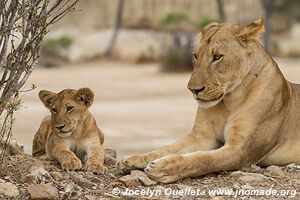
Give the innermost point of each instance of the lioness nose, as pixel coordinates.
(197, 91)
(60, 127)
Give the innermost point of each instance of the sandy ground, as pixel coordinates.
(137, 107)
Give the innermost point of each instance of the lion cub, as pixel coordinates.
(70, 134)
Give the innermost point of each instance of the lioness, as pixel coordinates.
(70, 135)
(248, 112)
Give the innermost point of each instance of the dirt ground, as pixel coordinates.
(137, 107)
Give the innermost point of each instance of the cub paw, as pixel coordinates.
(130, 163)
(71, 164)
(95, 167)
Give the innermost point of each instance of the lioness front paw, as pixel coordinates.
(95, 167)
(167, 169)
(71, 164)
(130, 163)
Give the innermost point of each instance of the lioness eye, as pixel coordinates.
(217, 57)
(70, 108)
(54, 110)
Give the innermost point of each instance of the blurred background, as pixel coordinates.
(136, 56)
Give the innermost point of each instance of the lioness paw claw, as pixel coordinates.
(166, 169)
(130, 163)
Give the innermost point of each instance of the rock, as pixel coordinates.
(144, 179)
(71, 192)
(56, 175)
(217, 198)
(111, 153)
(80, 180)
(247, 187)
(130, 180)
(253, 178)
(36, 174)
(42, 191)
(255, 168)
(274, 171)
(109, 160)
(9, 189)
(91, 197)
(293, 167)
(237, 173)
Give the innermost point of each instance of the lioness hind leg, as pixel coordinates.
(285, 154)
(191, 143)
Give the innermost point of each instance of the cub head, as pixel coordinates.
(222, 59)
(68, 108)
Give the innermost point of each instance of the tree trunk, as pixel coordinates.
(267, 7)
(220, 4)
(117, 26)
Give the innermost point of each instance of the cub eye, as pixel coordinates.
(195, 56)
(54, 110)
(217, 57)
(70, 108)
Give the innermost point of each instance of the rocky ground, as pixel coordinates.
(23, 177)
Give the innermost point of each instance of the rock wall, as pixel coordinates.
(100, 14)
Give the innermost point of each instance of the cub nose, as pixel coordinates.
(60, 127)
(197, 91)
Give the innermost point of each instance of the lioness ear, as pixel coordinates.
(85, 96)
(253, 30)
(47, 97)
(208, 27)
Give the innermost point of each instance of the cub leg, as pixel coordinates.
(67, 159)
(95, 156)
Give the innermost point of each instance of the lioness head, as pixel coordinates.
(221, 60)
(68, 108)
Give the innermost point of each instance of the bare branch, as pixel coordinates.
(23, 25)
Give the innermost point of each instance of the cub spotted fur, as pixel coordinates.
(70, 134)
(248, 112)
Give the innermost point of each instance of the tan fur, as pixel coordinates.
(70, 135)
(248, 112)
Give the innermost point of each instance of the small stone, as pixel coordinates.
(237, 173)
(130, 180)
(255, 168)
(247, 187)
(293, 166)
(109, 160)
(253, 177)
(274, 171)
(56, 175)
(144, 179)
(80, 180)
(36, 174)
(111, 153)
(42, 191)
(217, 198)
(91, 197)
(9, 189)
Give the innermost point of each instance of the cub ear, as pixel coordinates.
(85, 96)
(47, 97)
(253, 30)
